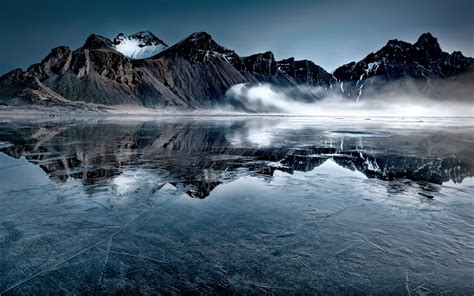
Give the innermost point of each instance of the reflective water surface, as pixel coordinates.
(218, 205)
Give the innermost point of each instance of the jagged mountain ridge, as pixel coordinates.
(196, 72)
(400, 63)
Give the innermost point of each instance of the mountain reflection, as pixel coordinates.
(196, 156)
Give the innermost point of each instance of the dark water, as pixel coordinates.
(242, 205)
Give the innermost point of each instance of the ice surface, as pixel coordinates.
(237, 205)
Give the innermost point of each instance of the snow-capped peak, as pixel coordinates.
(140, 45)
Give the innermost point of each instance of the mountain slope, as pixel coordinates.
(197, 70)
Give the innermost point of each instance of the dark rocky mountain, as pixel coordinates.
(196, 73)
(265, 68)
(262, 64)
(401, 65)
(306, 72)
(97, 42)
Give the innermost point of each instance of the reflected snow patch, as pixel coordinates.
(168, 186)
(132, 182)
(125, 183)
(329, 168)
(5, 145)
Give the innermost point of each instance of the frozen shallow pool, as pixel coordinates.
(237, 205)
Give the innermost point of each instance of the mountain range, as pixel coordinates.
(141, 70)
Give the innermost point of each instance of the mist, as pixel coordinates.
(296, 100)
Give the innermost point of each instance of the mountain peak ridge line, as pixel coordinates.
(142, 70)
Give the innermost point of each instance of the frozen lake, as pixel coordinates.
(283, 205)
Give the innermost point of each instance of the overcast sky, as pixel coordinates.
(330, 33)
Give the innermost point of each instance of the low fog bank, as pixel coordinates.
(315, 101)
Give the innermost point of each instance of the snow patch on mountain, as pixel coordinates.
(140, 45)
(372, 67)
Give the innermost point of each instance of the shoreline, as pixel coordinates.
(151, 113)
